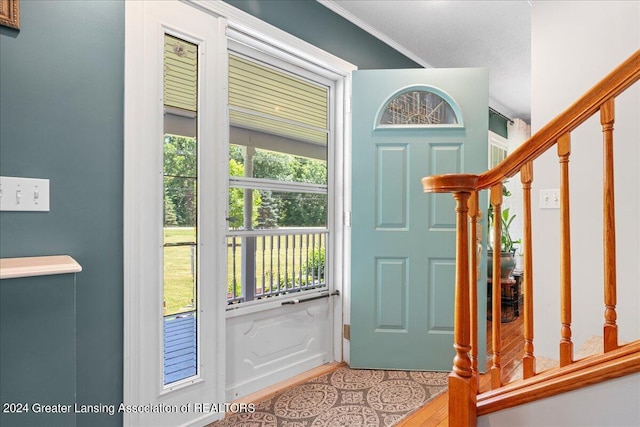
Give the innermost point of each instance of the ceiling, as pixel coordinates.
(446, 34)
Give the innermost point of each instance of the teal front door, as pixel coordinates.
(408, 124)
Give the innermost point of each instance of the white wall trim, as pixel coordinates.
(134, 14)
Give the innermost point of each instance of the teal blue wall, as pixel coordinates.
(38, 349)
(497, 124)
(61, 118)
(314, 23)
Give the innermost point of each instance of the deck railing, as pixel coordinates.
(272, 262)
(463, 381)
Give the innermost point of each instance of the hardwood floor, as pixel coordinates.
(512, 348)
(436, 412)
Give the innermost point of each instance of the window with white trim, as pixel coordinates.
(497, 149)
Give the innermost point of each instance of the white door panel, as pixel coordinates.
(269, 346)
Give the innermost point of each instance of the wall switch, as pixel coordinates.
(550, 199)
(24, 194)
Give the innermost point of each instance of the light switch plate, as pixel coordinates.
(550, 199)
(24, 194)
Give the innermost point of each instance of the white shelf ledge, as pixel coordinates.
(11, 268)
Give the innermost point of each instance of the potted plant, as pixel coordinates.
(507, 244)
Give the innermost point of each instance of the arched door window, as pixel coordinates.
(418, 107)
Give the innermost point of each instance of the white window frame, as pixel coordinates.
(499, 142)
(255, 53)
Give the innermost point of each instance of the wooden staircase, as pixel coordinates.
(466, 402)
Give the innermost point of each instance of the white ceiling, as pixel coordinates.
(446, 34)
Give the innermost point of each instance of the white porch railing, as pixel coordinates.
(270, 262)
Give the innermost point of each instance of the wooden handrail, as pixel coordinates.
(464, 405)
(616, 82)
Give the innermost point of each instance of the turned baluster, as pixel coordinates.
(607, 116)
(475, 241)
(496, 306)
(528, 360)
(566, 345)
(462, 389)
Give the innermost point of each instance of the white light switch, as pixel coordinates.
(550, 199)
(24, 194)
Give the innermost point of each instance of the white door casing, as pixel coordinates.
(151, 402)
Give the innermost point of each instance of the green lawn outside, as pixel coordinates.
(178, 281)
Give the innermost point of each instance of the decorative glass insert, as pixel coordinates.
(418, 107)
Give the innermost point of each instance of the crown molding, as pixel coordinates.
(329, 4)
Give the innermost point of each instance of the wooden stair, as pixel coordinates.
(625, 360)
(588, 371)
(467, 398)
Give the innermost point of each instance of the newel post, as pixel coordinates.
(462, 385)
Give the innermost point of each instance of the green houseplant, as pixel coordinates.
(507, 243)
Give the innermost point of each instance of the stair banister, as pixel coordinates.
(496, 336)
(566, 345)
(616, 82)
(528, 360)
(474, 267)
(607, 117)
(463, 384)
